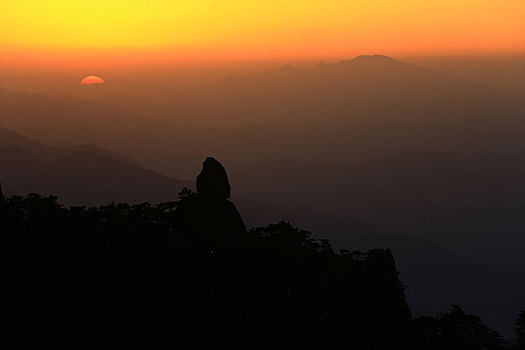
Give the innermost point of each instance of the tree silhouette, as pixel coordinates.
(357, 255)
(456, 330)
(520, 330)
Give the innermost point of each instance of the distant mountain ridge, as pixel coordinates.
(366, 62)
(46, 152)
(84, 174)
(367, 88)
(84, 177)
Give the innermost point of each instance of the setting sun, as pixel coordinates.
(92, 79)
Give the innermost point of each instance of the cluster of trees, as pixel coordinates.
(276, 287)
(455, 330)
(520, 330)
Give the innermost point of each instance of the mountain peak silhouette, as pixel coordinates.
(286, 67)
(369, 60)
(374, 57)
(321, 64)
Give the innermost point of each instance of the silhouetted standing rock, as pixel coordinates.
(4, 209)
(213, 181)
(3, 202)
(209, 216)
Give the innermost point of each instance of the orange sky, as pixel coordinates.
(118, 32)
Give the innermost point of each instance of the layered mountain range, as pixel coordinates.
(368, 152)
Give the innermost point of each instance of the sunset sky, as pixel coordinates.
(120, 32)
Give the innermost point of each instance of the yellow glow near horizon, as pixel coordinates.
(258, 28)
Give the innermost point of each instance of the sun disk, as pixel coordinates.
(92, 79)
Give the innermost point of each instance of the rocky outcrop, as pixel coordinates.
(208, 215)
(3, 207)
(213, 182)
(2, 198)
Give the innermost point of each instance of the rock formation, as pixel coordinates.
(209, 216)
(3, 206)
(2, 199)
(213, 182)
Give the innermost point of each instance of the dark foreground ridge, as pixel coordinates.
(192, 271)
